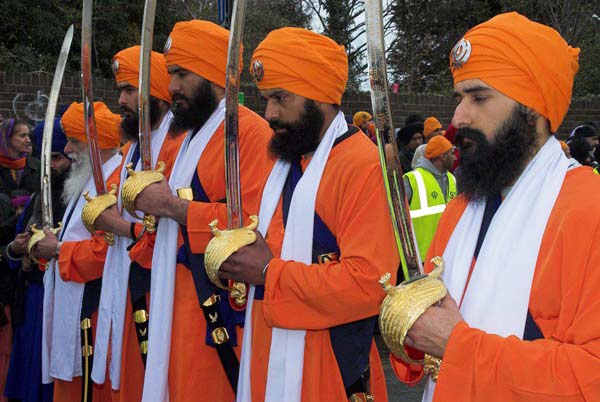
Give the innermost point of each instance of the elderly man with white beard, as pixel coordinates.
(76, 257)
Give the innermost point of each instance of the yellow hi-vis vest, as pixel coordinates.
(427, 205)
(596, 170)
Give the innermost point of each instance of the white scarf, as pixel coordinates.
(164, 261)
(497, 297)
(113, 296)
(286, 357)
(61, 344)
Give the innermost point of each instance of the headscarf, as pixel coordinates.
(6, 131)
(200, 47)
(302, 62)
(437, 146)
(107, 124)
(126, 68)
(526, 61)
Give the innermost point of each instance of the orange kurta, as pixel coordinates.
(195, 368)
(351, 202)
(132, 367)
(83, 261)
(564, 303)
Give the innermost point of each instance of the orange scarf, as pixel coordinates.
(15, 164)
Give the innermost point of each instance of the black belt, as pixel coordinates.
(91, 300)
(139, 285)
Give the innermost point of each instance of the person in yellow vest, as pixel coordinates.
(429, 187)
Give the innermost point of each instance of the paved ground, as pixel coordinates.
(397, 391)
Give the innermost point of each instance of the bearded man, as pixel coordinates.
(73, 279)
(184, 360)
(123, 310)
(311, 315)
(522, 241)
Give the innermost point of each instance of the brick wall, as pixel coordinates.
(23, 94)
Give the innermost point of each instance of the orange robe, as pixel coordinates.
(83, 261)
(564, 303)
(132, 367)
(195, 368)
(351, 202)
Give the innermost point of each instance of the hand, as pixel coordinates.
(156, 199)
(46, 248)
(26, 264)
(431, 331)
(247, 264)
(111, 221)
(19, 244)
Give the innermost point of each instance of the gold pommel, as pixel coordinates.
(96, 205)
(38, 234)
(223, 244)
(137, 182)
(405, 303)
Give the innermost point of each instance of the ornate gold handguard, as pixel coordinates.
(135, 184)
(403, 305)
(94, 208)
(220, 247)
(38, 234)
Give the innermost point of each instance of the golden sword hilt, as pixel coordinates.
(135, 184)
(220, 247)
(403, 305)
(94, 208)
(37, 235)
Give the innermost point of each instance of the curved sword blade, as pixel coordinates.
(232, 163)
(145, 129)
(392, 172)
(88, 99)
(46, 185)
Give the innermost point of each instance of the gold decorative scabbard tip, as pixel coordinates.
(96, 205)
(38, 234)
(137, 182)
(221, 246)
(404, 304)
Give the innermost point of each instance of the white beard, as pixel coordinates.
(79, 174)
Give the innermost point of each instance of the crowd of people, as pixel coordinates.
(120, 309)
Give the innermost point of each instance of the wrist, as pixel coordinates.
(57, 250)
(11, 255)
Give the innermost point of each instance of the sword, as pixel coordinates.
(407, 301)
(103, 200)
(392, 172)
(145, 131)
(46, 183)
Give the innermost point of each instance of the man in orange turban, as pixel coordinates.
(185, 359)
(311, 315)
(122, 321)
(361, 120)
(72, 281)
(521, 320)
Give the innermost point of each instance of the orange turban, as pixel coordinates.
(360, 118)
(200, 47)
(437, 146)
(126, 67)
(526, 61)
(431, 124)
(107, 124)
(302, 62)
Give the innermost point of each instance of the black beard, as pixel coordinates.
(130, 123)
(200, 107)
(489, 167)
(300, 137)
